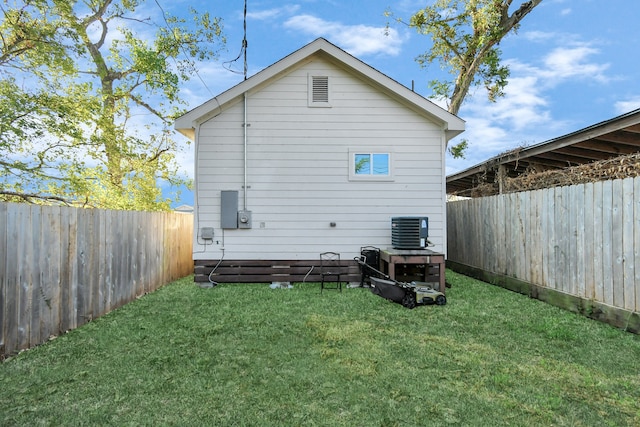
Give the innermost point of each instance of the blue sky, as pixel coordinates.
(573, 63)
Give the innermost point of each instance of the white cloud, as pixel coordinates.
(264, 15)
(537, 36)
(622, 107)
(571, 62)
(520, 107)
(562, 64)
(358, 40)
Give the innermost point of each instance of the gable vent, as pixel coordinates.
(320, 89)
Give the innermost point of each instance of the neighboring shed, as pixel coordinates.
(596, 145)
(315, 153)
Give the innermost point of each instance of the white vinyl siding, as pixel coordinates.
(298, 172)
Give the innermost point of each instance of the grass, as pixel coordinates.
(248, 355)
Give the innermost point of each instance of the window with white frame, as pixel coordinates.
(368, 165)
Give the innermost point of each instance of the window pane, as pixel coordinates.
(381, 164)
(362, 164)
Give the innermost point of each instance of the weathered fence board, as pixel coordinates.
(636, 241)
(628, 241)
(581, 240)
(60, 267)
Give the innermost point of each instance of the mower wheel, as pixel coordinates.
(441, 300)
(409, 300)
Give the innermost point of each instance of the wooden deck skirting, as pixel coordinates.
(268, 271)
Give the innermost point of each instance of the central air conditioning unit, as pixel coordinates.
(409, 232)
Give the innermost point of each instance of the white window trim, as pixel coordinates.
(363, 177)
(310, 100)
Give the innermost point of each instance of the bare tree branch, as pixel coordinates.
(29, 197)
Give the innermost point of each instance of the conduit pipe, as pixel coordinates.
(245, 126)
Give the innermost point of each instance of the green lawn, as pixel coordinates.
(249, 355)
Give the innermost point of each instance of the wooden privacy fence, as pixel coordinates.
(575, 246)
(61, 267)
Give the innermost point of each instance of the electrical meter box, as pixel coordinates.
(244, 219)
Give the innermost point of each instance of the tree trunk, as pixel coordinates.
(507, 23)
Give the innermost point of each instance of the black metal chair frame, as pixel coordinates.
(330, 267)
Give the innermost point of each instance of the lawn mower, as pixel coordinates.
(407, 294)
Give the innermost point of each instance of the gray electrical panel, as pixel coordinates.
(229, 209)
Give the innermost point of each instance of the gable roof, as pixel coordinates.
(451, 123)
(605, 140)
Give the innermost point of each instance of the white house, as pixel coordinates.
(315, 153)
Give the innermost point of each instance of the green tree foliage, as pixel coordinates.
(88, 92)
(465, 37)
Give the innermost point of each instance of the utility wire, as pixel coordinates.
(227, 65)
(243, 50)
(244, 39)
(164, 17)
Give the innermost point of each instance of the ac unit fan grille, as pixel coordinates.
(409, 232)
